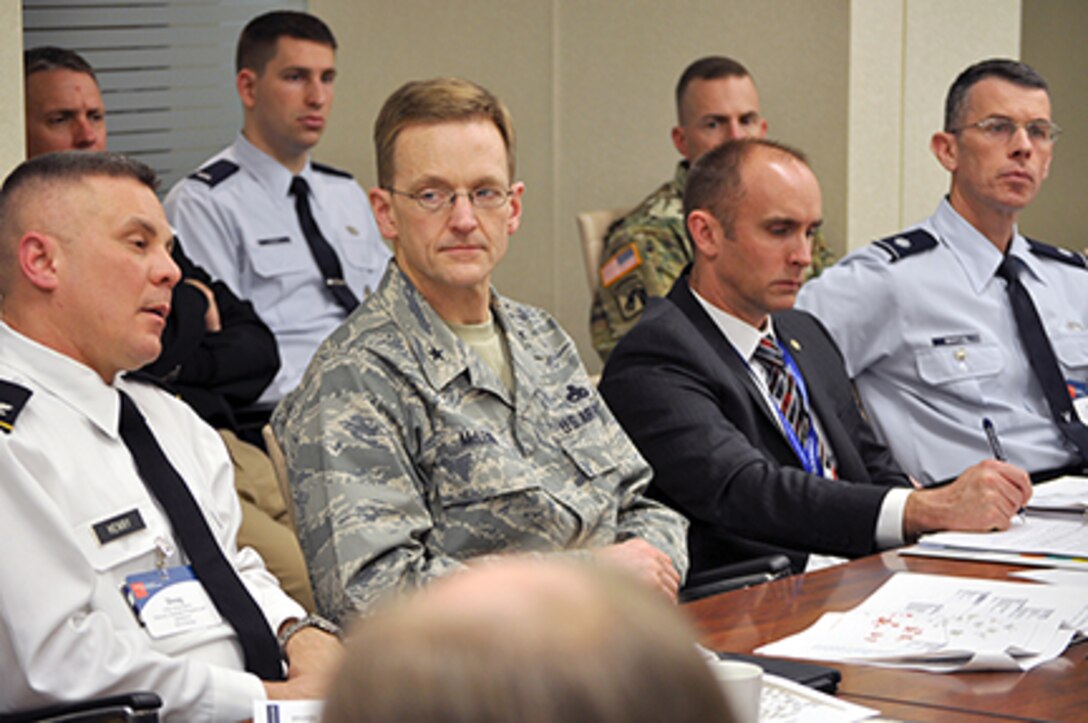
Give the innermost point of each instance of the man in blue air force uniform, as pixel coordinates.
(962, 318)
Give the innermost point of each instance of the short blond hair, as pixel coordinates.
(534, 641)
(438, 100)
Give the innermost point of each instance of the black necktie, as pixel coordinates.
(1041, 356)
(219, 579)
(324, 254)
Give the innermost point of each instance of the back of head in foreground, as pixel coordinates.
(526, 640)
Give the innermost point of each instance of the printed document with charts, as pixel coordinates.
(944, 624)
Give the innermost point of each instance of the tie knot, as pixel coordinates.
(1010, 268)
(769, 352)
(129, 412)
(299, 187)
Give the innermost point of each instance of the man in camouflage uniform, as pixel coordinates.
(442, 422)
(645, 251)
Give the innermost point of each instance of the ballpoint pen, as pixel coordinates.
(998, 452)
(995, 443)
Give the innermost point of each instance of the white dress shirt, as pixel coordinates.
(68, 632)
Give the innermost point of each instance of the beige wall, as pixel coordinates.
(11, 85)
(903, 56)
(590, 85)
(1054, 43)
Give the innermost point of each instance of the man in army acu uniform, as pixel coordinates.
(442, 422)
(645, 251)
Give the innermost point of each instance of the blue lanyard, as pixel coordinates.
(809, 452)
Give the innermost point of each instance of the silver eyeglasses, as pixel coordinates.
(486, 198)
(1002, 128)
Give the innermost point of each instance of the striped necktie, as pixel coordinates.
(786, 394)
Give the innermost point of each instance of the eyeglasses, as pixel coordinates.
(433, 200)
(1003, 129)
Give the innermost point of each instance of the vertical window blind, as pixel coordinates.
(166, 70)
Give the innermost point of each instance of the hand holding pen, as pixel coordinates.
(998, 451)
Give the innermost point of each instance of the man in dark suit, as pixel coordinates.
(742, 405)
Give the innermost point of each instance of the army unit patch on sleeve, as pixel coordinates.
(622, 263)
(13, 398)
(631, 296)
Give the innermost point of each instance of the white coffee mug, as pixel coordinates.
(742, 684)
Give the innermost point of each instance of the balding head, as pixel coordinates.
(527, 640)
(751, 208)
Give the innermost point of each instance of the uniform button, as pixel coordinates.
(960, 354)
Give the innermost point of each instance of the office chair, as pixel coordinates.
(139, 707)
(592, 226)
(734, 577)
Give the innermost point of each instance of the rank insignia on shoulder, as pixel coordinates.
(1056, 253)
(13, 397)
(622, 263)
(907, 244)
(322, 168)
(215, 173)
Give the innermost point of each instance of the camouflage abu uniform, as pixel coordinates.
(644, 253)
(408, 456)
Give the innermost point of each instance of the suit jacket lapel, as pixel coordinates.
(682, 297)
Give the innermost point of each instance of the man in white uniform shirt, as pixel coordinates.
(86, 279)
(294, 237)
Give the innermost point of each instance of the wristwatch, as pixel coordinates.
(310, 621)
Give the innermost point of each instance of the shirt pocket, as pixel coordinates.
(277, 256)
(591, 458)
(362, 254)
(1072, 352)
(486, 511)
(121, 553)
(960, 369)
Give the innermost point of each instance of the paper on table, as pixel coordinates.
(1009, 558)
(1068, 493)
(943, 624)
(1063, 577)
(1034, 534)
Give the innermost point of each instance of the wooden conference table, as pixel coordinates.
(742, 620)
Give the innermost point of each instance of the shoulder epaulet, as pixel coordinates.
(322, 168)
(13, 398)
(1066, 256)
(215, 173)
(906, 244)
